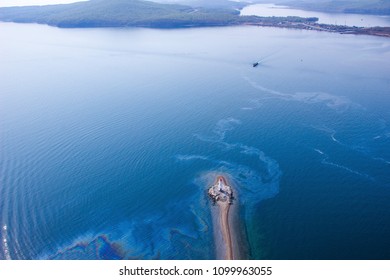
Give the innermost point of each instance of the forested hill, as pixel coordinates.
(138, 13)
(115, 13)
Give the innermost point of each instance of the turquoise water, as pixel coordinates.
(109, 137)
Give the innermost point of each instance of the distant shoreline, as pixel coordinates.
(341, 29)
(306, 25)
(136, 13)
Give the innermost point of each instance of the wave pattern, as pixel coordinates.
(162, 235)
(149, 237)
(4, 243)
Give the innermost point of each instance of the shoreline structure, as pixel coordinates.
(225, 235)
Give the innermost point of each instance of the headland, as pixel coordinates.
(224, 214)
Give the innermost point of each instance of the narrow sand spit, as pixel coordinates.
(224, 220)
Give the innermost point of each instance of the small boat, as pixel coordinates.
(255, 64)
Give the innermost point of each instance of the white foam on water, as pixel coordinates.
(256, 184)
(219, 131)
(325, 160)
(224, 126)
(382, 160)
(348, 170)
(331, 132)
(253, 104)
(340, 103)
(357, 148)
(190, 157)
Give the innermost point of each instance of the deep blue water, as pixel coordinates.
(109, 138)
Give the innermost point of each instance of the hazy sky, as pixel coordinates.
(8, 3)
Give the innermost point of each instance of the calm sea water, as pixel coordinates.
(327, 18)
(109, 137)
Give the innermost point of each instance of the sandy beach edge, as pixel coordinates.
(229, 236)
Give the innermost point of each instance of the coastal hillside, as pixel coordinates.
(207, 3)
(113, 13)
(136, 13)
